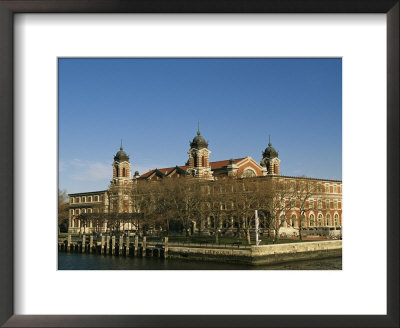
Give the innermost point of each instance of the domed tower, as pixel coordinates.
(270, 161)
(199, 158)
(119, 192)
(121, 168)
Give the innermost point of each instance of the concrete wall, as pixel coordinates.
(257, 255)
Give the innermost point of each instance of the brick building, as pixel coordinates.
(324, 205)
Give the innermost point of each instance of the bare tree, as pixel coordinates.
(62, 210)
(245, 200)
(279, 203)
(302, 193)
(216, 204)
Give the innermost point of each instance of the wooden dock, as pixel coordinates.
(113, 245)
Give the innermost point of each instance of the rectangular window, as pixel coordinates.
(311, 203)
(76, 199)
(335, 204)
(319, 203)
(319, 187)
(89, 198)
(327, 187)
(89, 210)
(71, 200)
(96, 198)
(126, 206)
(335, 189)
(83, 199)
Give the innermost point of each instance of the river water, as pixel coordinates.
(78, 261)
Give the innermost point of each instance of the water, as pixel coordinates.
(78, 261)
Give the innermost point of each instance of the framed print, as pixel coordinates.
(56, 50)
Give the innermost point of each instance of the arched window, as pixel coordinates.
(123, 172)
(328, 220)
(335, 189)
(312, 220)
(203, 161)
(320, 220)
(336, 219)
(294, 221)
(248, 173)
(117, 171)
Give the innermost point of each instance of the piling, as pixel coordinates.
(108, 245)
(165, 247)
(83, 243)
(144, 246)
(120, 244)
(127, 245)
(102, 244)
(90, 243)
(113, 245)
(69, 243)
(136, 245)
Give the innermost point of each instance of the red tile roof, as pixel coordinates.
(165, 171)
(214, 166)
(221, 164)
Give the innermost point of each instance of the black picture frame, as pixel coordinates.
(10, 7)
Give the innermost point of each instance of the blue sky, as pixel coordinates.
(154, 105)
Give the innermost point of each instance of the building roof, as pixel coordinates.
(220, 164)
(270, 152)
(181, 169)
(121, 156)
(87, 193)
(164, 171)
(198, 141)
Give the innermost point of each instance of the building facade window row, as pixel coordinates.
(86, 199)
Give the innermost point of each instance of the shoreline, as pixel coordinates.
(252, 255)
(261, 255)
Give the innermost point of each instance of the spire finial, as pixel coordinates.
(198, 128)
(121, 146)
(269, 140)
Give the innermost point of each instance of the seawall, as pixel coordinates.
(257, 255)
